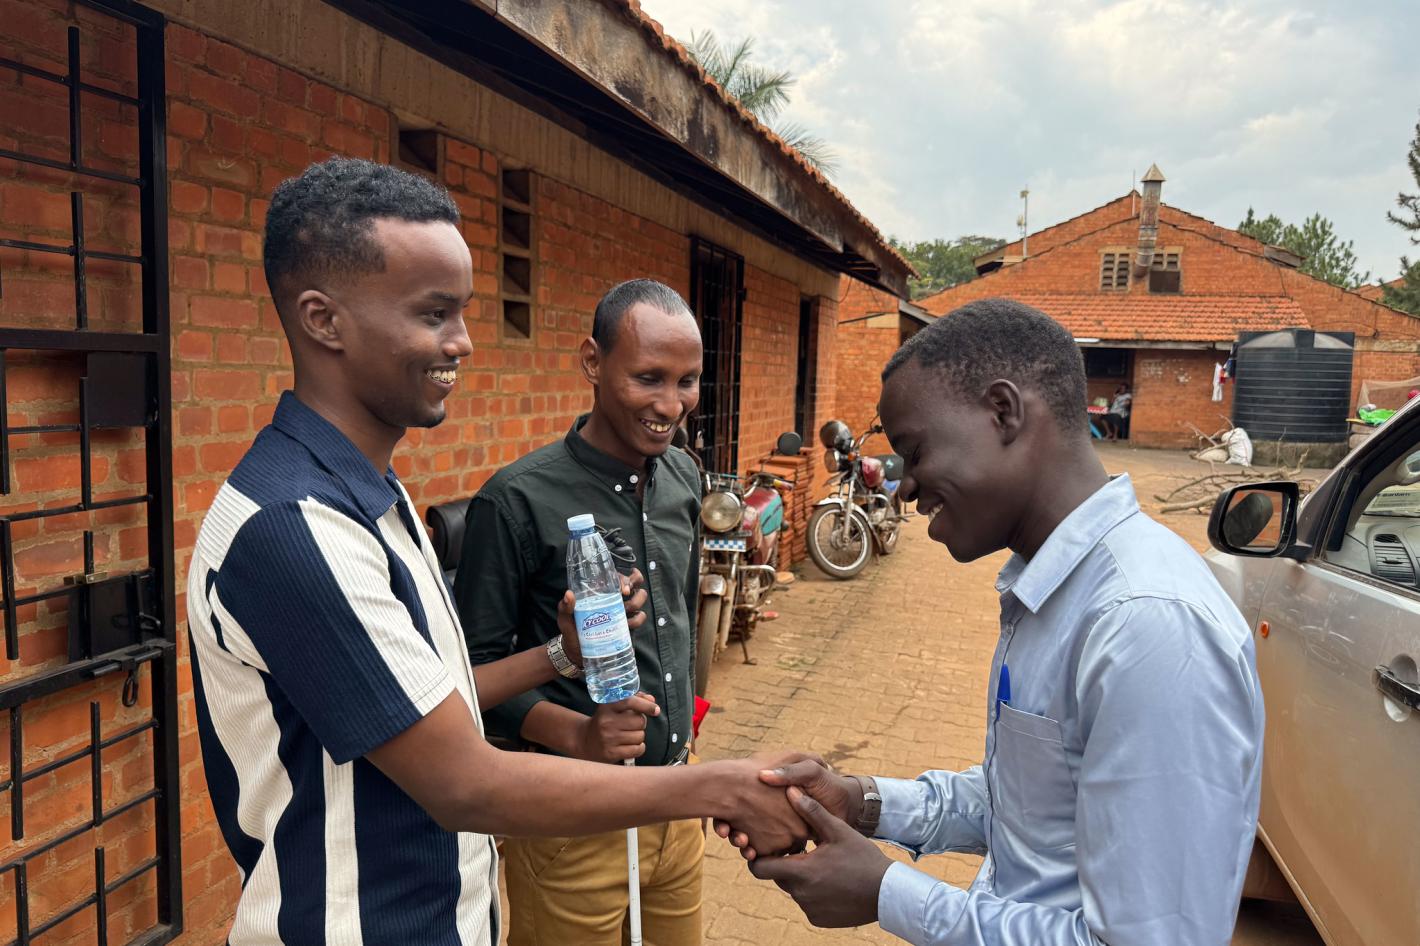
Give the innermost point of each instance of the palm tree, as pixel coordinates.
(763, 92)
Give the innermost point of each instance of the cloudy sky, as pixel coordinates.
(942, 110)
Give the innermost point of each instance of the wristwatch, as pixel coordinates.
(872, 807)
(560, 663)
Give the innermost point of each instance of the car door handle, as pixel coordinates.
(1407, 694)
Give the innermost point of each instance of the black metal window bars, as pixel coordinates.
(717, 298)
(116, 624)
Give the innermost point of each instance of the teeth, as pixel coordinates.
(447, 377)
(658, 428)
(933, 512)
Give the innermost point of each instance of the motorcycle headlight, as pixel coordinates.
(832, 460)
(721, 512)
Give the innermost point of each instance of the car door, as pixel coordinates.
(1342, 797)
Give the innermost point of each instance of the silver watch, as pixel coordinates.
(560, 663)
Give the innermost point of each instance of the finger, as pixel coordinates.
(568, 604)
(823, 824)
(740, 840)
(642, 704)
(635, 579)
(637, 600)
(722, 828)
(622, 753)
(803, 772)
(635, 619)
(782, 870)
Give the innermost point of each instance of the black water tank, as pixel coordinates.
(1294, 385)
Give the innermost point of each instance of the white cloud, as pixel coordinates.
(942, 110)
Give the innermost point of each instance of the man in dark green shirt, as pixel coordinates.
(643, 362)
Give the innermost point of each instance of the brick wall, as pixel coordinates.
(238, 124)
(866, 340)
(1173, 388)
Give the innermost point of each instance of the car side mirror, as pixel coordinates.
(789, 444)
(1258, 520)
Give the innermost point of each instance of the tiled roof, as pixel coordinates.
(1163, 318)
(682, 56)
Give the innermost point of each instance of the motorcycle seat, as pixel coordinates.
(446, 522)
(892, 466)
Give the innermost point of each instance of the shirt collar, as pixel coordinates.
(1033, 582)
(602, 464)
(373, 493)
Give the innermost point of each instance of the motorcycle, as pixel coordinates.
(864, 512)
(741, 521)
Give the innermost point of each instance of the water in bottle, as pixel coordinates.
(607, 657)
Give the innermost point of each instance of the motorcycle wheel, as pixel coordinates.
(707, 629)
(888, 533)
(855, 546)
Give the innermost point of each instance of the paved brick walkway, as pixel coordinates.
(886, 674)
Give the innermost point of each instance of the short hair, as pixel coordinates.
(321, 223)
(606, 322)
(1001, 338)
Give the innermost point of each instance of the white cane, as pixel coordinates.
(633, 877)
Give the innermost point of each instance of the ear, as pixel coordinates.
(1007, 408)
(591, 358)
(320, 319)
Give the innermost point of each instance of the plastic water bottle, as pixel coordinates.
(607, 657)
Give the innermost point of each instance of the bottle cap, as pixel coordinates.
(583, 523)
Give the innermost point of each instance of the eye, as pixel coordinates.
(435, 316)
(690, 382)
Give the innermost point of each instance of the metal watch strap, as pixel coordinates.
(560, 663)
(872, 807)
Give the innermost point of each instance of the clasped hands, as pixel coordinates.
(836, 883)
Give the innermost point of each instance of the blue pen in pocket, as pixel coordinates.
(1003, 689)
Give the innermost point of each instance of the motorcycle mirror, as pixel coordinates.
(789, 444)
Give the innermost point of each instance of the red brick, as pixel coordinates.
(321, 98)
(194, 421)
(233, 418)
(228, 206)
(229, 277)
(194, 346)
(224, 95)
(225, 59)
(291, 86)
(226, 385)
(227, 134)
(221, 457)
(186, 121)
(190, 272)
(186, 44)
(222, 312)
(232, 349)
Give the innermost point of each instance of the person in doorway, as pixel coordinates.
(643, 362)
(1116, 422)
(337, 710)
(1117, 800)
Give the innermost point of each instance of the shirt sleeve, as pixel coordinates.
(1167, 804)
(490, 591)
(936, 812)
(304, 594)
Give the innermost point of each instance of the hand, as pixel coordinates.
(616, 731)
(634, 596)
(763, 814)
(840, 794)
(837, 883)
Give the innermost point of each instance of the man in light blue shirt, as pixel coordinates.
(1118, 798)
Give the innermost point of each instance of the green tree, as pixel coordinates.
(1323, 253)
(1406, 295)
(762, 91)
(943, 263)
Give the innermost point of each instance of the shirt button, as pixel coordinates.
(645, 518)
(633, 477)
(652, 565)
(660, 622)
(668, 678)
(675, 737)
(618, 487)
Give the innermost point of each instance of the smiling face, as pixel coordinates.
(402, 331)
(648, 383)
(959, 466)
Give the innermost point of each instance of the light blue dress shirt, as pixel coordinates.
(1118, 800)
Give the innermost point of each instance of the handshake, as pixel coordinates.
(796, 798)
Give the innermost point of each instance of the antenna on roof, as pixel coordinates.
(1023, 221)
(1133, 181)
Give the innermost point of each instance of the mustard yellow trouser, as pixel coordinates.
(572, 891)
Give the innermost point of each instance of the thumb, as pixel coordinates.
(805, 773)
(819, 819)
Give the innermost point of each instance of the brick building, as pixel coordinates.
(872, 324)
(1157, 296)
(582, 146)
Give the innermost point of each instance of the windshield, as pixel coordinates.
(1396, 501)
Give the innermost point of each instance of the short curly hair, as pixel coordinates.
(321, 223)
(1001, 338)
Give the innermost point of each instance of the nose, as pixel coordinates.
(668, 405)
(907, 489)
(456, 343)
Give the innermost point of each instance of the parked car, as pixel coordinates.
(1331, 587)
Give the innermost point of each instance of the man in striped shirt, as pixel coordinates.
(337, 709)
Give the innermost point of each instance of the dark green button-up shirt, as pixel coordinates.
(513, 571)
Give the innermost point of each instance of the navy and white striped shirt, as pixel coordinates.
(321, 628)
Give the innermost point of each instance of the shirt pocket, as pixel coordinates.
(1035, 789)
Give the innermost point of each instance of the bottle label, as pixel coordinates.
(601, 625)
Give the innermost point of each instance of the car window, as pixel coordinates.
(1382, 540)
